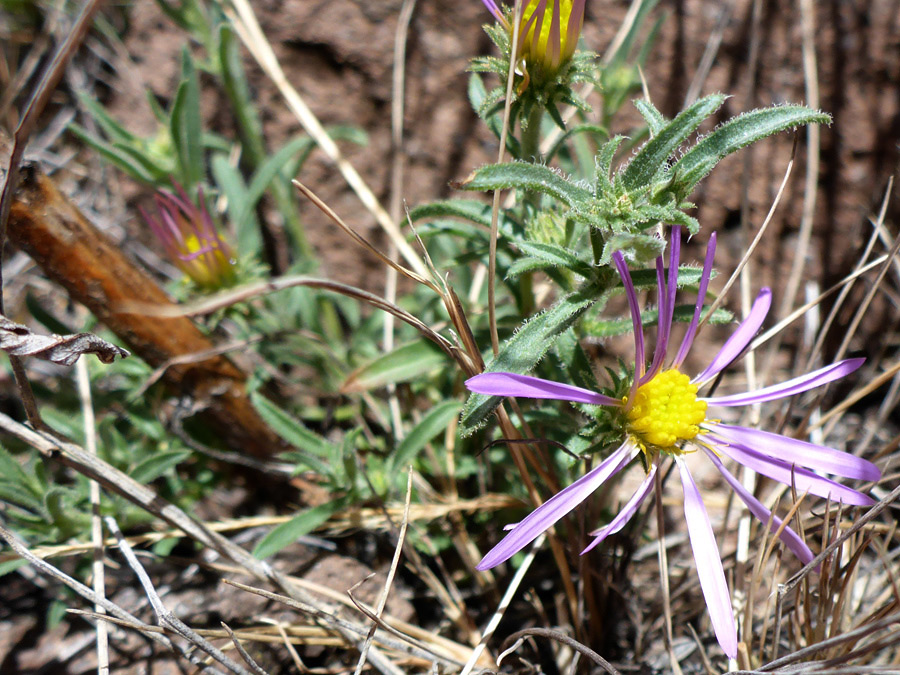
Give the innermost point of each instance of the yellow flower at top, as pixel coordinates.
(548, 33)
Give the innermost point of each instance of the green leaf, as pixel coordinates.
(523, 350)
(735, 134)
(575, 361)
(10, 469)
(654, 118)
(687, 276)
(294, 432)
(467, 209)
(635, 246)
(238, 91)
(524, 176)
(117, 156)
(186, 129)
(476, 91)
(267, 172)
(114, 131)
(652, 157)
(557, 256)
(157, 464)
(231, 184)
(303, 523)
(603, 328)
(401, 365)
(431, 425)
(12, 565)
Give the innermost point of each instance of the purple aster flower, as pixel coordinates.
(664, 416)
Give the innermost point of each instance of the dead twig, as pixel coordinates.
(164, 617)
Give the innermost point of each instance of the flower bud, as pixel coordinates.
(190, 238)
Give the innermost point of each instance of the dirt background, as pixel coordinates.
(339, 55)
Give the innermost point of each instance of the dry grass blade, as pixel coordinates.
(254, 666)
(803, 309)
(752, 247)
(247, 27)
(340, 523)
(337, 622)
(495, 204)
(395, 561)
(113, 609)
(504, 605)
(165, 618)
(254, 290)
(99, 571)
(566, 640)
(362, 241)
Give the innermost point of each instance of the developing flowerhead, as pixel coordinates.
(547, 35)
(191, 239)
(664, 412)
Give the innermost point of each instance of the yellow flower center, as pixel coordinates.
(665, 410)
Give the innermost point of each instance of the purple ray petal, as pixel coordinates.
(688, 339)
(795, 386)
(548, 513)
(573, 30)
(740, 338)
(631, 294)
(666, 293)
(789, 474)
(709, 564)
(511, 384)
(794, 451)
(625, 514)
(495, 10)
(791, 539)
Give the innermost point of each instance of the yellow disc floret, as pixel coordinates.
(665, 410)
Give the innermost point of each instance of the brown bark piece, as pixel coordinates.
(95, 272)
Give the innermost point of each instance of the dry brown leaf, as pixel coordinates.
(18, 340)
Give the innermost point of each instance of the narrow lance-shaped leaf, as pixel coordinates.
(734, 135)
(523, 176)
(434, 422)
(654, 118)
(557, 256)
(313, 447)
(185, 124)
(467, 209)
(303, 523)
(401, 365)
(653, 155)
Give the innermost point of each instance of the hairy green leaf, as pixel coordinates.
(734, 135)
(524, 176)
(652, 157)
